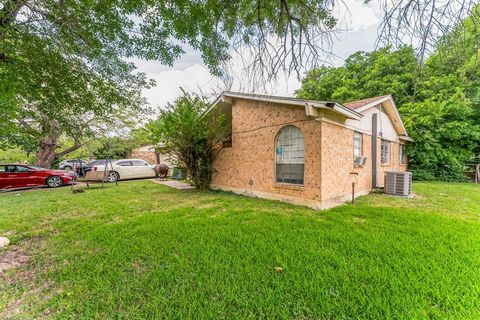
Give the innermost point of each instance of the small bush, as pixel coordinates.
(191, 137)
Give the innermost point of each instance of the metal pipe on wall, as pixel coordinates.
(374, 151)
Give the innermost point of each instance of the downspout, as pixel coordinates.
(374, 151)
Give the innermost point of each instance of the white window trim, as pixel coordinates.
(389, 152)
(402, 153)
(361, 144)
(287, 161)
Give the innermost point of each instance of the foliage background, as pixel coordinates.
(439, 100)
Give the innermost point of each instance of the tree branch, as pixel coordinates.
(77, 144)
(9, 11)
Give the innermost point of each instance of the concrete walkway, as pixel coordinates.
(174, 184)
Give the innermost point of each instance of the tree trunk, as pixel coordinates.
(48, 144)
(46, 152)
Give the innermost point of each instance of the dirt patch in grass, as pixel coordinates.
(19, 273)
(18, 256)
(13, 258)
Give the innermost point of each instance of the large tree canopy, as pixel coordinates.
(64, 69)
(364, 75)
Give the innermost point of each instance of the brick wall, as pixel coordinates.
(394, 164)
(252, 155)
(148, 156)
(328, 157)
(151, 158)
(338, 164)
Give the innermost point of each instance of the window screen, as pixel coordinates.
(357, 144)
(289, 150)
(385, 151)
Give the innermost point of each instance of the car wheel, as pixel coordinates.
(112, 176)
(54, 182)
(68, 168)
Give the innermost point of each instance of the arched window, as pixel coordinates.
(289, 155)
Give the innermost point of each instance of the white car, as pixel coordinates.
(127, 169)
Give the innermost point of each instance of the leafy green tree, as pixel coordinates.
(363, 74)
(61, 76)
(457, 55)
(445, 116)
(446, 136)
(120, 147)
(14, 156)
(64, 64)
(190, 136)
(114, 148)
(439, 101)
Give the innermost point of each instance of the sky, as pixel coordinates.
(190, 73)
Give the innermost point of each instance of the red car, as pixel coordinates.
(13, 176)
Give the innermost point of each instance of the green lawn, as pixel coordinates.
(141, 250)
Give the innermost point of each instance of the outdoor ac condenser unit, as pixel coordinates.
(398, 183)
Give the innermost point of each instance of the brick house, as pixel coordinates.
(307, 152)
(146, 152)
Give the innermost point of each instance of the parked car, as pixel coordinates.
(81, 170)
(70, 164)
(13, 176)
(127, 169)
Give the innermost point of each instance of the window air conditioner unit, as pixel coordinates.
(360, 161)
(398, 183)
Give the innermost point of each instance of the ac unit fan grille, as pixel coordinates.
(398, 183)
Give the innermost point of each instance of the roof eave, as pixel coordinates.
(264, 98)
(406, 138)
(213, 104)
(397, 114)
(374, 103)
(331, 106)
(351, 114)
(337, 108)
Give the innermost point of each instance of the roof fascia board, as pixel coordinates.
(373, 103)
(395, 110)
(213, 104)
(338, 108)
(265, 99)
(406, 138)
(342, 109)
(398, 116)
